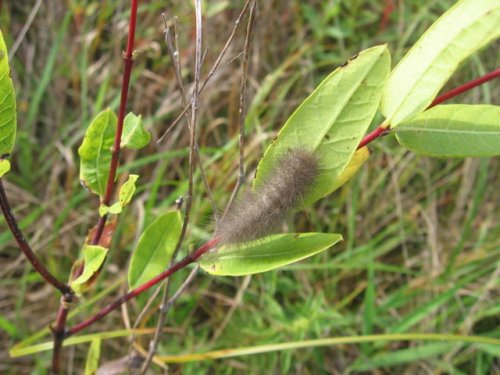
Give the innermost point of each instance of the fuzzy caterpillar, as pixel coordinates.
(262, 211)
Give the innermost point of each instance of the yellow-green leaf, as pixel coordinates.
(96, 150)
(93, 356)
(333, 119)
(266, 253)
(134, 135)
(4, 166)
(416, 80)
(93, 258)
(456, 130)
(154, 249)
(8, 122)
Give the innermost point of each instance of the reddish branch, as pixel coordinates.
(384, 128)
(190, 258)
(25, 247)
(59, 329)
(128, 60)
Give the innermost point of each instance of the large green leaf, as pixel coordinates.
(416, 80)
(332, 120)
(96, 150)
(93, 258)
(134, 135)
(453, 131)
(7, 106)
(266, 253)
(155, 248)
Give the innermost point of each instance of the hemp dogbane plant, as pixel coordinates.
(319, 148)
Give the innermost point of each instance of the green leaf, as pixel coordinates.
(453, 131)
(8, 122)
(134, 135)
(95, 152)
(93, 258)
(93, 356)
(127, 190)
(115, 209)
(4, 166)
(332, 120)
(155, 248)
(266, 253)
(417, 79)
(125, 195)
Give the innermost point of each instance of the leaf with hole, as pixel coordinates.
(154, 249)
(96, 150)
(134, 135)
(456, 130)
(8, 119)
(417, 79)
(93, 258)
(333, 119)
(266, 254)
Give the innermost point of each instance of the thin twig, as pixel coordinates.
(26, 248)
(243, 108)
(214, 66)
(22, 34)
(173, 51)
(193, 153)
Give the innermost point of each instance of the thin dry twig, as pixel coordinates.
(214, 67)
(193, 153)
(22, 34)
(242, 109)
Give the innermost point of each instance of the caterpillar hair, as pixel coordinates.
(262, 212)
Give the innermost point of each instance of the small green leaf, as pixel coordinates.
(93, 356)
(96, 150)
(456, 130)
(127, 190)
(8, 122)
(4, 166)
(155, 248)
(266, 253)
(134, 135)
(417, 79)
(332, 120)
(93, 258)
(115, 208)
(125, 195)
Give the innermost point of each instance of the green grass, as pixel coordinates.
(422, 248)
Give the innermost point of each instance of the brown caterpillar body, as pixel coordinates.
(261, 212)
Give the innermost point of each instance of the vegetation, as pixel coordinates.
(411, 288)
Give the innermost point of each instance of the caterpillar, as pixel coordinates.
(262, 211)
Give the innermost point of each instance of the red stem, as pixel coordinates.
(128, 61)
(59, 332)
(190, 258)
(383, 129)
(466, 87)
(60, 326)
(25, 247)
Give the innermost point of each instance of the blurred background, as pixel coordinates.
(422, 235)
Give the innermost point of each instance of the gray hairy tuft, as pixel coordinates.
(262, 212)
